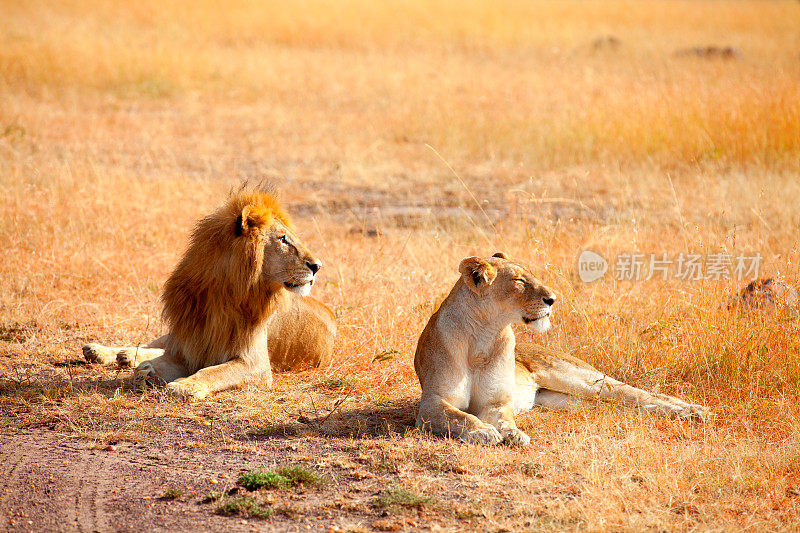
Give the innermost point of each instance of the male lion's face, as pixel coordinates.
(510, 288)
(288, 261)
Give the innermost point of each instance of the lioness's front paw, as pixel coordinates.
(488, 435)
(97, 353)
(515, 437)
(187, 389)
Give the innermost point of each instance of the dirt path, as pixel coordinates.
(55, 481)
(58, 484)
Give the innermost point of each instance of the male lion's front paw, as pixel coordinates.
(488, 435)
(145, 374)
(515, 437)
(187, 389)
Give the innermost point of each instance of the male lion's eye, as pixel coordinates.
(519, 280)
(283, 239)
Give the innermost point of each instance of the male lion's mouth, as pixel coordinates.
(301, 289)
(289, 285)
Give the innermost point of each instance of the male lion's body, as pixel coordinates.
(301, 335)
(475, 378)
(301, 332)
(236, 292)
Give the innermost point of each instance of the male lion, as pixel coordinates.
(240, 284)
(473, 377)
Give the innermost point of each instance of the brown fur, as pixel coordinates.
(219, 302)
(301, 335)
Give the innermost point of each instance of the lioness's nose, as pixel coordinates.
(549, 301)
(313, 266)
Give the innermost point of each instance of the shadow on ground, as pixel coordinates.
(386, 419)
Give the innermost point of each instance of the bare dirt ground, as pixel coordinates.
(57, 483)
(94, 473)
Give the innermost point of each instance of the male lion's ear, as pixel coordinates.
(478, 274)
(248, 220)
(501, 255)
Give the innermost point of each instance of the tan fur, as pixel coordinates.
(465, 355)
(474, 377)
(242, 266)
(301, 336)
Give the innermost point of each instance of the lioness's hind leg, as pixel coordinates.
(549, 399)
(589, 384)
(686, 410)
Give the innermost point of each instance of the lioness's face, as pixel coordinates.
(511, 288)
(288, 261)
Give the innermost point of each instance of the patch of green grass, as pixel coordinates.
(172, 493)
(243, 505)
(285, 476)
(300, 475)
(212, 497)
(258, 479)
(402, 498)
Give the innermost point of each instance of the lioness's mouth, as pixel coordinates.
(528, 320)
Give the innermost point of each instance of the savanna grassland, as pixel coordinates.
(403, 135)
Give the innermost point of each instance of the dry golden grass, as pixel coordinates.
(120, 124)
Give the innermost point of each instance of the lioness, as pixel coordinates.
(473, 377)
(234, 304)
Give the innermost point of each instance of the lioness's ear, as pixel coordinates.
(478, 274)
(501, 255)
(248, 220)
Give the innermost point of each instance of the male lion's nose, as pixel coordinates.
(549, 301)
(313, 266)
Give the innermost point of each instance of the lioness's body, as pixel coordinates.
(475, 378)
(243, 265)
